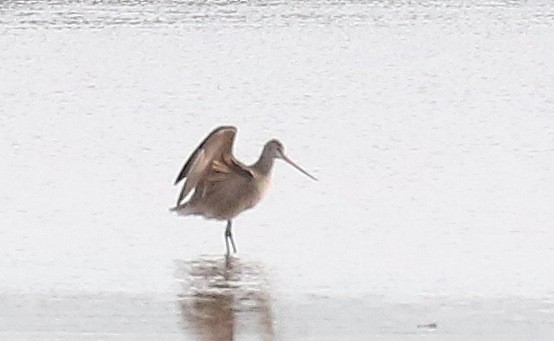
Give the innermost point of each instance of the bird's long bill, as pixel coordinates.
(297, 166)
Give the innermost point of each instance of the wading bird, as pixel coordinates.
(223, 186)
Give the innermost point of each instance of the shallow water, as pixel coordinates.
(430, 126)
(236, 314)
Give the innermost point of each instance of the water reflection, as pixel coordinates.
(222, 298)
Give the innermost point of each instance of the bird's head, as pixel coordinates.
(277, 151)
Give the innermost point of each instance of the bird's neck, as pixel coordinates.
(264, 163)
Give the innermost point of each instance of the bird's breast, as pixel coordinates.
(261, 185)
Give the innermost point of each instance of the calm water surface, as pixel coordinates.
(429, 124)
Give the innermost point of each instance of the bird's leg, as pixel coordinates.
(226, 244)
(233, 244)
(229, 235)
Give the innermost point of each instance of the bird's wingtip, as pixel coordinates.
(225, 127)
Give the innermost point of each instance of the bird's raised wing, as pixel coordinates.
(214, 154)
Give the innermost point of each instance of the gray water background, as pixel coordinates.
(430, 125)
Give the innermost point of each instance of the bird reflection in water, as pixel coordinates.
(223, 297)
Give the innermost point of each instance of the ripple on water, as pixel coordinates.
(97, 14)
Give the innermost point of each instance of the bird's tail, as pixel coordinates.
(182, 209)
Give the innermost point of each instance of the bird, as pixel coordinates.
(223, 186)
